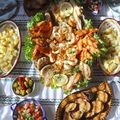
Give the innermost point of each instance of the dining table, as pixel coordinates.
(48, 97)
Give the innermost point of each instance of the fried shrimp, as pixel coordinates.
(87, 44)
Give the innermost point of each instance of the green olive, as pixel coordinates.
(28, 90)
(30, 82)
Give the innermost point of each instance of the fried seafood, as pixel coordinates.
(73, 80)
(77, 13)
(41, 42)
(42, 62)
(38, 50)
(85, 69)
(67, 46)
(87, 45)
(42, 29)
(81, 106)
(71, 22)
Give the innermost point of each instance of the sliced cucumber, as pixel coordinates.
(66, 9)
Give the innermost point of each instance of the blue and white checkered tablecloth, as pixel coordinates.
(51, 98)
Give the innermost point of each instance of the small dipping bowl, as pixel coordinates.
(23, 86)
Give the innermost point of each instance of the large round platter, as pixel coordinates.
(64, 46)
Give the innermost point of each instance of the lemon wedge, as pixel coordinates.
(66, 9)
(60, 79)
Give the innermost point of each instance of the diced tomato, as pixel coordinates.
(38, 107)
(23, 86)
(20, 117)
(27, 105)
(21, 81)
(19, 108)
(36, 114)
(32, 106)
(30, 110)
(39, 118)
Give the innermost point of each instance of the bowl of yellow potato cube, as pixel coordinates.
(10, 47)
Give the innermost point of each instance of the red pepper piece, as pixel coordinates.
(21, 78)
(23, 86)
(21, 81)
(19, 108)
(31, 110)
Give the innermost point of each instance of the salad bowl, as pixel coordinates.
(109, 31)
(25, 104)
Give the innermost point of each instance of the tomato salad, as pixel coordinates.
(29, 110)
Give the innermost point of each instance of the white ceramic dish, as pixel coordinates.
(27, 95)
(15, 27)
(110, 23)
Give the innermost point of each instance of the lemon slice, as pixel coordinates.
(60, 79)
(48, 69)
(66, 9)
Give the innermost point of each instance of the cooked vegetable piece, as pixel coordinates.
(26, 84)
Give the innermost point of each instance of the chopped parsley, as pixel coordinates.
(72, 52)
(82, 83)
(75, 69)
